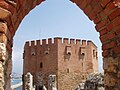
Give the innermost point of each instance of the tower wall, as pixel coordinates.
(75, 62)
(40, 59)
(70, 60)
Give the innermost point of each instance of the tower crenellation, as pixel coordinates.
(72, 41)
(44, 41)
(32, 43)
(91, 43)
(65, 40)
(49, 40)
(78, 41)
(38, 42)
(57, 40)
(84, 43)
(27, 44)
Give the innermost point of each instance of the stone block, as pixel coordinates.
(118, 74)
(3, 52)
(3, 27)
(4, 13)
(3, 38)
(110, 80)
(110, 64)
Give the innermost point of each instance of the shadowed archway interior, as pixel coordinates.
(104, 13)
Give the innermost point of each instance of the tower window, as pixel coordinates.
(69, 53)
(68, 70)
(41, 65)
(68, 50)
(93, 53)
(33, 53)
(83, 54)
(46, 52)
(82, 64)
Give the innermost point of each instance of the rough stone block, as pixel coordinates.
(3, 27)
(4, 13)
(110, 64)
(3, 38)
(110, 80)
(118, 75)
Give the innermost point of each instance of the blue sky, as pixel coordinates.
(53, 18)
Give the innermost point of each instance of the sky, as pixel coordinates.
(53, 18)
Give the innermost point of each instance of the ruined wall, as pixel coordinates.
(75, 62)
(5, 67)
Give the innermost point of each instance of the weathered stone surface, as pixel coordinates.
(4, 30)
(69, 81)
(94, 81)
(3, 27)
(110, 64)
(3, 38)
(111, 67)
(28, 81)
(8, 73)
(110, 80)
(3, 52)
(52, 82)
(4, 13)
(1, 76)
(5, 80)
(118, 74)
(100, 11)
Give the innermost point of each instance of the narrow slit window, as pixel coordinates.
(93, 53)
(68, 70)
(41, 65)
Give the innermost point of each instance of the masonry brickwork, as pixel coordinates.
(104, 13)
(70, 60)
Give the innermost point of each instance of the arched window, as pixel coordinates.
(83, 54)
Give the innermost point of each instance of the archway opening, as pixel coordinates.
(54, 19)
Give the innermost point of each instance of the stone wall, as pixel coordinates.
(94, 81)
(5, 67)
(112, 73)
(76, 59)
(104, 13)
(69, 81)
(1, 76)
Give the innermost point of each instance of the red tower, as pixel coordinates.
(70, 60)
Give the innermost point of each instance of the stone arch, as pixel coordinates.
(104, 13)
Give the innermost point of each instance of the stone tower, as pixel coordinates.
(70, 60)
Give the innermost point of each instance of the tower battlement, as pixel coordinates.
(57, 40)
